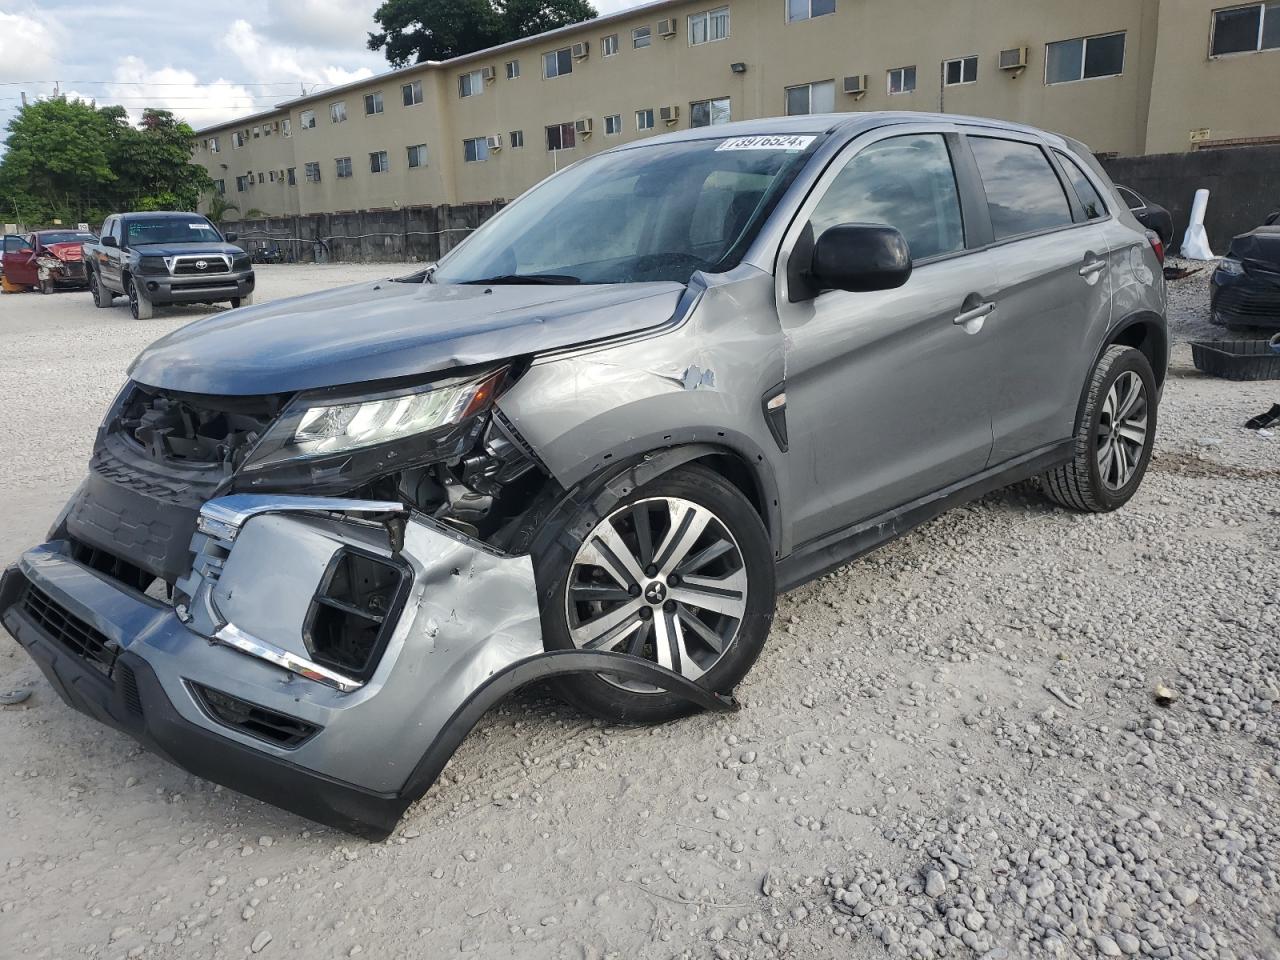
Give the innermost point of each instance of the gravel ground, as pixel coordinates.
(949, 748)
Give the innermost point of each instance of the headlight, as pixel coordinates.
(152, 265)
(241, 262)
(325, 441)
(1230, 267)
(347, 426)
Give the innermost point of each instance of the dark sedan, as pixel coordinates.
(1245, 288)
(1148, 213)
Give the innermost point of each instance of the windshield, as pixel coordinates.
(193, 229)
(65, 236)
(656, 212)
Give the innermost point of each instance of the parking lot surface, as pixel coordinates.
(948, 748)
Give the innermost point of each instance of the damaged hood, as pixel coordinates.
(1261, 244)
(66, 252)
(375, 331)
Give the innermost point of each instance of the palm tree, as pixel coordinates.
(217, 206)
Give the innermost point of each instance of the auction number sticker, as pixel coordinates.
(790, 143)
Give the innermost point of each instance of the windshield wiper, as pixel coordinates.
(547, 279)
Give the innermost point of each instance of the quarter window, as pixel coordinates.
(709, 113)
(1246, 29)
(475, 150)
(344, 167)
(417, 155)
(612, 124)
(609, 45)
(641, 37)
(560, 136)
(513, 69)
(902, 79)
(471, 84)
(312, 172)
(811, 98)
(644, 119)
(411, 93)
(1084, 58)
(808, 9)
(1024, 195)
(708, 26)
(372, 104)
(962, 70)
(307, 119)
(557, 63)
(905, 182)
(516, 137)
(379, 162)
(1089, 198)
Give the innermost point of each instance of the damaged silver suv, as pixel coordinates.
(320, 537)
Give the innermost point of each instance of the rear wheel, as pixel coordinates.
(139, 305)
(1115, 436)
(680, 573)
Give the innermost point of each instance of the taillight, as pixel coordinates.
(1157, 245)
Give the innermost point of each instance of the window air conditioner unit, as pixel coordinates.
(488, 74)
(1013, 59)
(666, 28)
(669, 114)
(857, 86)
(582, 127)
(493, 143)
(579, 50)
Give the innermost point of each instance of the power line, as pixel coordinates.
(148, 83)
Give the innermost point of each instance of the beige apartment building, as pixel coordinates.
(1125, 76)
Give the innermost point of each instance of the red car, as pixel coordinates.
(46, 259)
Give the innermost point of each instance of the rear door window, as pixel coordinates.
(906, 182)
(1024, 195)
(1090, 201)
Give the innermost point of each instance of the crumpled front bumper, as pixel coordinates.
(467, 634)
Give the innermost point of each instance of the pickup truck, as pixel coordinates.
(161, 258)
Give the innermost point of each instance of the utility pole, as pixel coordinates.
(24, 99)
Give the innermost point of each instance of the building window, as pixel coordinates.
(338, 111)
(237, 140)
(963, 70)
(285, 127)
(379, 162)
(241, 184)
(902, 79)
(613, 124)
(709, 113)
(257, 132)
(266, 129)
(418, 155)
(708, 26)
(560, 136)
(644, 119)
(641, 37)
(271, 176)
(1246, 29)
(212, 144)
(372, 103)
(609, 45)
(517, 139)
(471, 84)
(411, 93)
(312, 172)
(1084, 58)
(817, 97)
(220, 187)
(344, 167)
(557, 63)
(307, 119)
(513, 69)
(475, 150)
(293, 176)
(808, 9)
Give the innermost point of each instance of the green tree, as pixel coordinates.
(153, 163)
(216, 207)
(419, 30)
(58, 162)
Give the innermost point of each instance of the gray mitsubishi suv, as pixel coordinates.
(320, 537)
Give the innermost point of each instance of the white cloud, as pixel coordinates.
(329, 24)
(28, 47)
(265, 58)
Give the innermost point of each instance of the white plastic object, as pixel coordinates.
(1195, 242)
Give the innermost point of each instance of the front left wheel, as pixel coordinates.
(139, 305)
(679, 573)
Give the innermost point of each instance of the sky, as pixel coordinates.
(206, 61)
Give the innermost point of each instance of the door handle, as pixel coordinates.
(977, 313)
(1092, 267)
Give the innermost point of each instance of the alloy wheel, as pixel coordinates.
(133, 298)
(1122, 430)
(662, 578)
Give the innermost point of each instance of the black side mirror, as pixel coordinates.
(860, 257)
(231, 237)
(109, 242)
